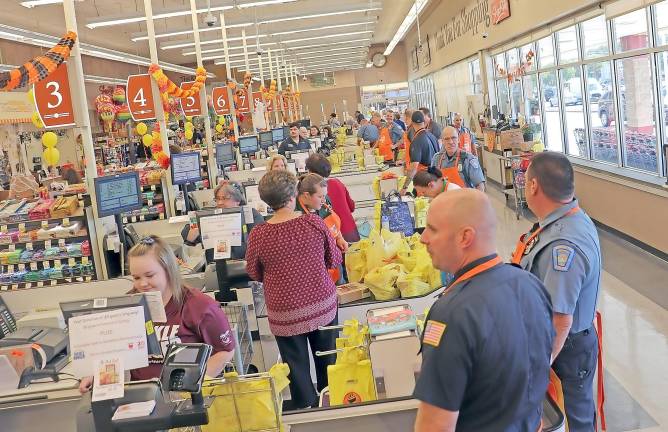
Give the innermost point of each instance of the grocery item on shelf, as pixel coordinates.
(64, 206)
(42, 210)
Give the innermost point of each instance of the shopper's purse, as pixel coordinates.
(398, 214)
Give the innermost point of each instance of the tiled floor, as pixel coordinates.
(635, 322)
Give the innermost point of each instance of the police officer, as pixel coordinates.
(458, 166)
(563, 251)
(487, 341)
(294, 142)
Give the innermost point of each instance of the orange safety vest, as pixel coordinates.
(333, 224)
(465, 141)
(420, 166)
(385, 144)
(452, 173)
(407, 149)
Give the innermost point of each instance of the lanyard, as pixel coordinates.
(481, 268)
(523, 243)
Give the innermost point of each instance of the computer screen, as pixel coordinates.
(248, 144)
(90, 306)
(305, 123)
(186, 168)
(277, 134)
(118, 193)
(266, 139)
(286, 132)
(225, 154)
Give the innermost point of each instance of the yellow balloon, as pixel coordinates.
(189, 118)
(147, 140)
(51, 156)
(221, 120)
(37, 121)
(219, 128)
(49, 139)
(31, 96)
(142, 128)
(189, 126)
(189, 134)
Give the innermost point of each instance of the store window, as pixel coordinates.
(551, 111)
(524, 53)
(661, 22)
(500, 64)
(568, 45)
(631, 31)
(574, 117)
(662, 66)
(546, 52)
(531, 99)
(595, 37)
(601, 104)
(637, 113)
(502, 97)
(475, 77)
(516, 100)
(513, 59)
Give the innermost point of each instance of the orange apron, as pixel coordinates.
(333, 224)
(420, 166)
(465, 141)
(385, 144)
(407, 149)
(452, 173)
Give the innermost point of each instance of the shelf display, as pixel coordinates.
(44, 242)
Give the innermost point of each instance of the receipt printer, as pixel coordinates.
(48, 343)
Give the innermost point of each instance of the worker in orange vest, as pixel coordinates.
(467, 141)
(390, 135)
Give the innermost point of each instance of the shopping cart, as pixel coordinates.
(519, 164)
(237, 315)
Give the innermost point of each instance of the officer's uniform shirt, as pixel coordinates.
(289, 145)
(486, 350)
(396, 134)
(567, 258)
(369, 132)
(469, 166)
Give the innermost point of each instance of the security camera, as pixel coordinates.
(259, 51)
(210, 19)
(304, 77)
(485, 35)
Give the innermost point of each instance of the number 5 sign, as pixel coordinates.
(221, 104)
(140, 97)
(53, 99)
(191, 105)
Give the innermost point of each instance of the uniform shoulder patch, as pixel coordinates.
(433, 332)
(473, 163)
(562, 257)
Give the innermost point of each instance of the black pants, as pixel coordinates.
(294, 352)
(575, 365)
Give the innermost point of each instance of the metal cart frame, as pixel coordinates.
(518, 165)
(237, 315)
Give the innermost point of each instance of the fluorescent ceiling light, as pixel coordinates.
(337, 48)
(234, 48)
(300, 58)
(410, 18)
(144, 36)
(319, 15)
(33, 3)
(265, 62)
(329, 36)
(180, 44)
(274, 50)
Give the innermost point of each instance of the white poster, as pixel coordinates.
(218, 231)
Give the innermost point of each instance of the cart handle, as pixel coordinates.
(331, 352)
(335, 327)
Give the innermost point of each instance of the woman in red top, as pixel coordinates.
(338, 194)
(290, 254)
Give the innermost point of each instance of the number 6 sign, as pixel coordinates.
(140, 97)
(191, 105)
(221, 104)
(53, 99)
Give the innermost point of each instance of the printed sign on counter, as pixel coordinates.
(220, 98)
(140, 97)
(108, 379)
(53, 99)
(220, 233)
(191, 105)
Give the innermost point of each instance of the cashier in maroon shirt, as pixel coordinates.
(192, 317)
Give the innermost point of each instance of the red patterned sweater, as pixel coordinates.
(291, 258)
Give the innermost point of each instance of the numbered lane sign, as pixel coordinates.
(257, 99)
(140, 97)
(53, 99)
(221, 103)
(286, 103)
(191, 105)
(269, 105)
(244, 102)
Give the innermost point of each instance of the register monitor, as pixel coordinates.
(118, 194)
(186, 168)
(248, 144)
(266, 139)
(225, 154)
(90, 306)
(277, 134)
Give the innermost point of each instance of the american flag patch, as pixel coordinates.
(433, 332)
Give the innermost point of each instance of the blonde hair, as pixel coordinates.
(163, 253)
(274, 158)
(308, 183)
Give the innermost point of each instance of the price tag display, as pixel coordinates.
(53, 99)
(71, 261)
(3, 228)
(29, 246)
(133, 219)
(33, 266)
(84, 260)
(22, 227)
(54, 282)
(89, 278)
(46, 264)
(10, 268)
(142, 218)
(12, 247)
(28, 285)
(191, 105)
(140, 97)
(45, 224)
(220, 98)
(4, 288)
(57, 263)
(40, 284)
(150, 203)
(66, 222)
(244, 102)
(15, 287)
(162, 216)
(152, 187)
(61, 242)
(47, 244)
(22, 267)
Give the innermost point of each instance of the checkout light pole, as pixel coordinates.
(211, 166)
(271, 77)
(249, 90)
(159, 110)
(230, 95)
(280, 88)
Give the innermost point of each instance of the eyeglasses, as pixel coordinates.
(449, 138)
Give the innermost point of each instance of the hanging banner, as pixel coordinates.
(269, 105)
(53, 99)
(220, 98)
(244, 101)
(140, 97)
(191, 105)
(257, 99)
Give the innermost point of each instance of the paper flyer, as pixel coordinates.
(222, 227)
(108, 378)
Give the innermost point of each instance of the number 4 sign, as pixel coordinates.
(221, 104)
(53, 99)
(140, 97)
(191, 105)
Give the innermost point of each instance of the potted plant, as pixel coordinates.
(531, 131)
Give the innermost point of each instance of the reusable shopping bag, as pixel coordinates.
(351, 382)
(398, 215)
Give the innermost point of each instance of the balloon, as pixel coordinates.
(147, 140)
(189, 118)
(221, 120)
(142, 128)
(189, 134)
(31, 96)
(189, 126)
(51, 156)
(49, 139)
(37, 121)
(219, 128)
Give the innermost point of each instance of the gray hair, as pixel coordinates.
(231, 189)
(277, 188)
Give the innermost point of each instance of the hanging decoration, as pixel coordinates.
(39, 67)
(167, 86)
(519, 71)
(123, 113)
(51, 154)
(248, 79)
(141, 128)
(119, 94)
(37, 121)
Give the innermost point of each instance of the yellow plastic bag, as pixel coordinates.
(393, 242)
(412, 285)
(375, 252)
(246, 405)
(407, 259)
(421, 207)
(375, 186)
(377, 215)
(356, 260)
(425, 268)
(351, 383)
(382, 281)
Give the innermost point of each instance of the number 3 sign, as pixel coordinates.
(53, 99)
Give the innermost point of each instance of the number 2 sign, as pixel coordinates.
(53, 99)
(140, 97)
(191, 105)
(221, 104)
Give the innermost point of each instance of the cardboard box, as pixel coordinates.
(352, 292)
(509, 139)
